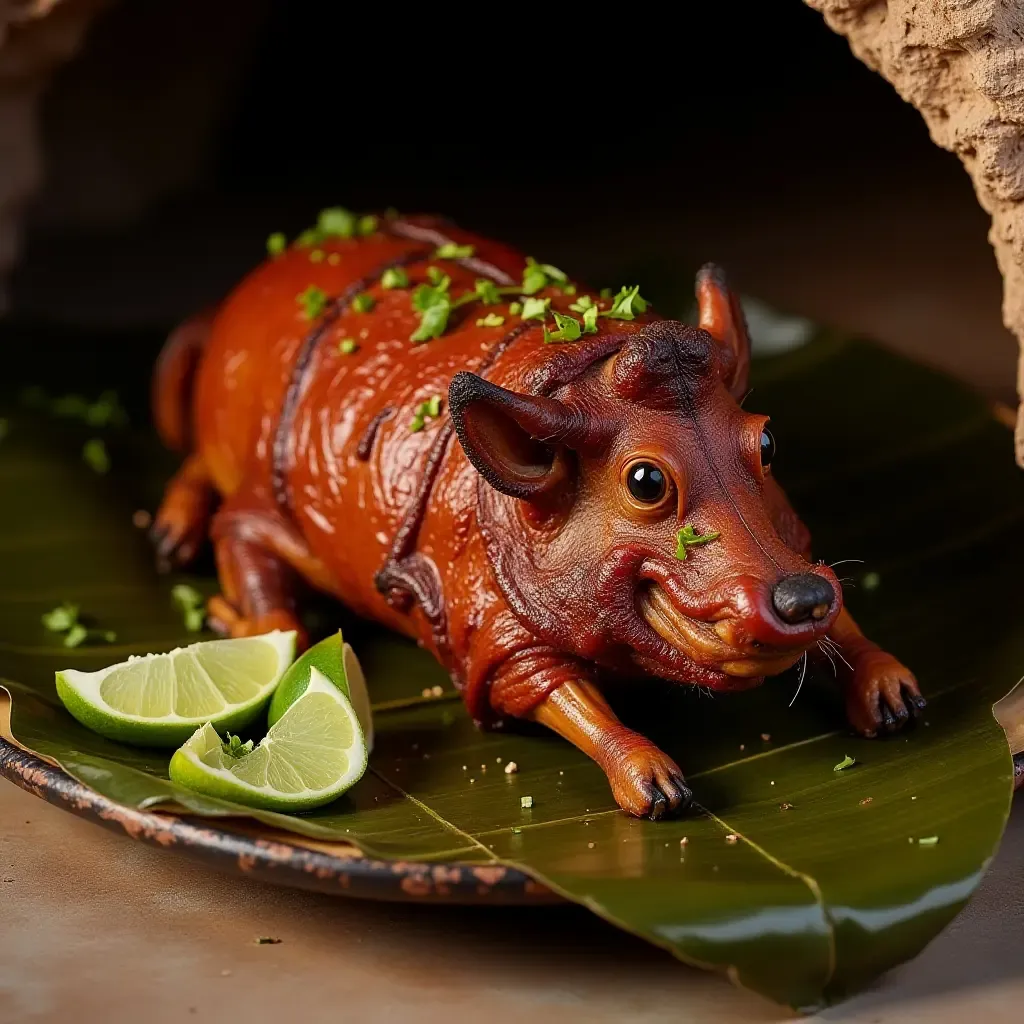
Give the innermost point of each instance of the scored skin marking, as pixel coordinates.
(365, 446)
(403, 577)
(303, 362)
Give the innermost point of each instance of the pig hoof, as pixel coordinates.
(648, 784)
(224, 618)
(882, 696)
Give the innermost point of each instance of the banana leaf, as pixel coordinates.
(825, 883)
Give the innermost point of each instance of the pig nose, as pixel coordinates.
(803, 597)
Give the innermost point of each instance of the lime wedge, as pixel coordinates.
(158, 700)
(335, 659)
(310, 756)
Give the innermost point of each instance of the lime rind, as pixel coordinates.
(311, 755)
(141, 701)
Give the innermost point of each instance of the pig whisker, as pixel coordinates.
(824, 650)
(837, 651)
(843, 561)
(799, 685)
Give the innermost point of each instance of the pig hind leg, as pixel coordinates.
(181, 523)
(262, 561)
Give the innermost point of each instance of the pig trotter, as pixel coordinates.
(180, 526)
(645, 782)
(882, 695)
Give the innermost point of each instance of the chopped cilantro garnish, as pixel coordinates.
(847, 762)
(491, 320)
(433, 318)
(535, 309)
(347, 346)
(568, 328)
(276, 243)
(311, 236)
(336, 221)
(363, 302)
(438, 278)
(605, 293)
(95, 455)
(72, 406)
(626, 304)
(191, 604)
(590, 320)
(367, 224)
(582, 304)
(317, 256)
(61, 618)
(688, 537)
(515, 308)
(334, 259)
(75, 635)
(106, 411)
(453, 251)
(394, 277)
(487, 291)
(428, 410)
(234, 746)
(539, 275)
(568, 289)
(312, 300)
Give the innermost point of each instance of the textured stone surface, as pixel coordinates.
(35, 37)
(961, 64)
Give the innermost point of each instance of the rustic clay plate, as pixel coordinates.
(243, 848)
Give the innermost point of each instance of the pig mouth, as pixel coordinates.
(702, 643)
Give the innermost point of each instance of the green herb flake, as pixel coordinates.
(106, 411)
(95, 455)
(582, 304)
(276, 243)
(367, 224)
(433, 406)
(605, 293)
(75, 635)
(312, 301)
(535, 309)
(363, 302)
(317, 256)
(234, 746)
(336, 222)
(191, 604)
(568, 329)
(590, 320)
(487, 291)
(438, 278)
(394, 277)
(311, 236)
(870, 580)
(515, 308)
(847, 762)
(417, 424)
(453, 251)
(626, 304)
(347, 346)
(433, 321)
(928, 841)
(491, 320)
(70, 407)
(687, 538)
(568, 289)
(61, 618)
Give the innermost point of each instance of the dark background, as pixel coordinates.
(636, 145)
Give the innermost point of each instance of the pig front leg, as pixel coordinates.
(881, 693)
(542, 685)
(645, 782)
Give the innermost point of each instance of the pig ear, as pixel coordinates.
(719, 312)
(512, 439)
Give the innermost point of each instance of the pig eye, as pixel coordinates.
(767, 447)
(646, 482)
